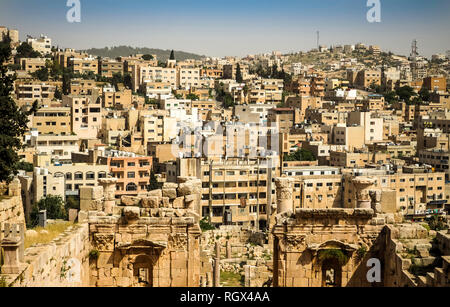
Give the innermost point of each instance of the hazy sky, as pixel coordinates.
(234, 27)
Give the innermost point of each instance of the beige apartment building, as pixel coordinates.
(157, 127)
(86, 114)
(13, 35)
(240, 192)
(283, 118)
(147, 73)
(123, 98)
(83, 87)
(52, 120)
(413, 190)
(373, 127)
(188, 77)
(59, 147)
(364, 79)
(46, 183)
(109, 67)
(347, 159)
(83, 65)
(156, 89)
(42, 44)
(30, 91)
(62, 57)
(351, 137)
(31, 65)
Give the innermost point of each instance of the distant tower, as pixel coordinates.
(414, 55)
(318, 40)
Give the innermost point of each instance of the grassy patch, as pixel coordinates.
(229, 279)
(54, 230)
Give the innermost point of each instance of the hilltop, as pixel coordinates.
(162, 55)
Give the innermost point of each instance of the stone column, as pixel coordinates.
(109, 194)
(191, 189)
(375, 195)
(284, 194)
(216, 281)
(228, 249)
(363, 185)
(11, 257)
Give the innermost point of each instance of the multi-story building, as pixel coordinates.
(157, 127)
(239, 192)
(132, 173)
(86, 114)
(43, 44)
(52, 120)
(188, 77)
(373, 127)
(364, 79)
(108, 68)
(59, 147)
(83, 87)
(413, 190)
(83, 66)
(147, 73)
(30, 91)
(13, 35)
(435, 84)
(283, 118)
(31, 65)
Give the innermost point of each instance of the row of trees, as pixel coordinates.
(13, 120)
(408, 95)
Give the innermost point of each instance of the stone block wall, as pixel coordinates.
(61, 263)
(11, 207)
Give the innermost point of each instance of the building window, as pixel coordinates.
(131, 187)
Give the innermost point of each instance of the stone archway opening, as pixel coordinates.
(143, 271)
(331, 273)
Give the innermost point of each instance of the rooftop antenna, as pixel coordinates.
(414, 55)
(318, 39)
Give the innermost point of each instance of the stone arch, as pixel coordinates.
(331, 273)
(143, 271)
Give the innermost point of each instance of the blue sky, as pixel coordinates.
(233, 27)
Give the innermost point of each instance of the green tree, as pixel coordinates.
(55, 209)
(13, 121)
(25, 166)
(390, 97)
(41, 74)
(228, 101)
(172, 55)
(147, 57)
(405, 93)
(58, 94)
(153, 183)
(239, 78)
(300, 155)
(66, 83)
(424, 94)
(26, 51)
(127, 81)
(55, 69)
(192, 97)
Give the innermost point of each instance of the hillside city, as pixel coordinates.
(270, 170)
